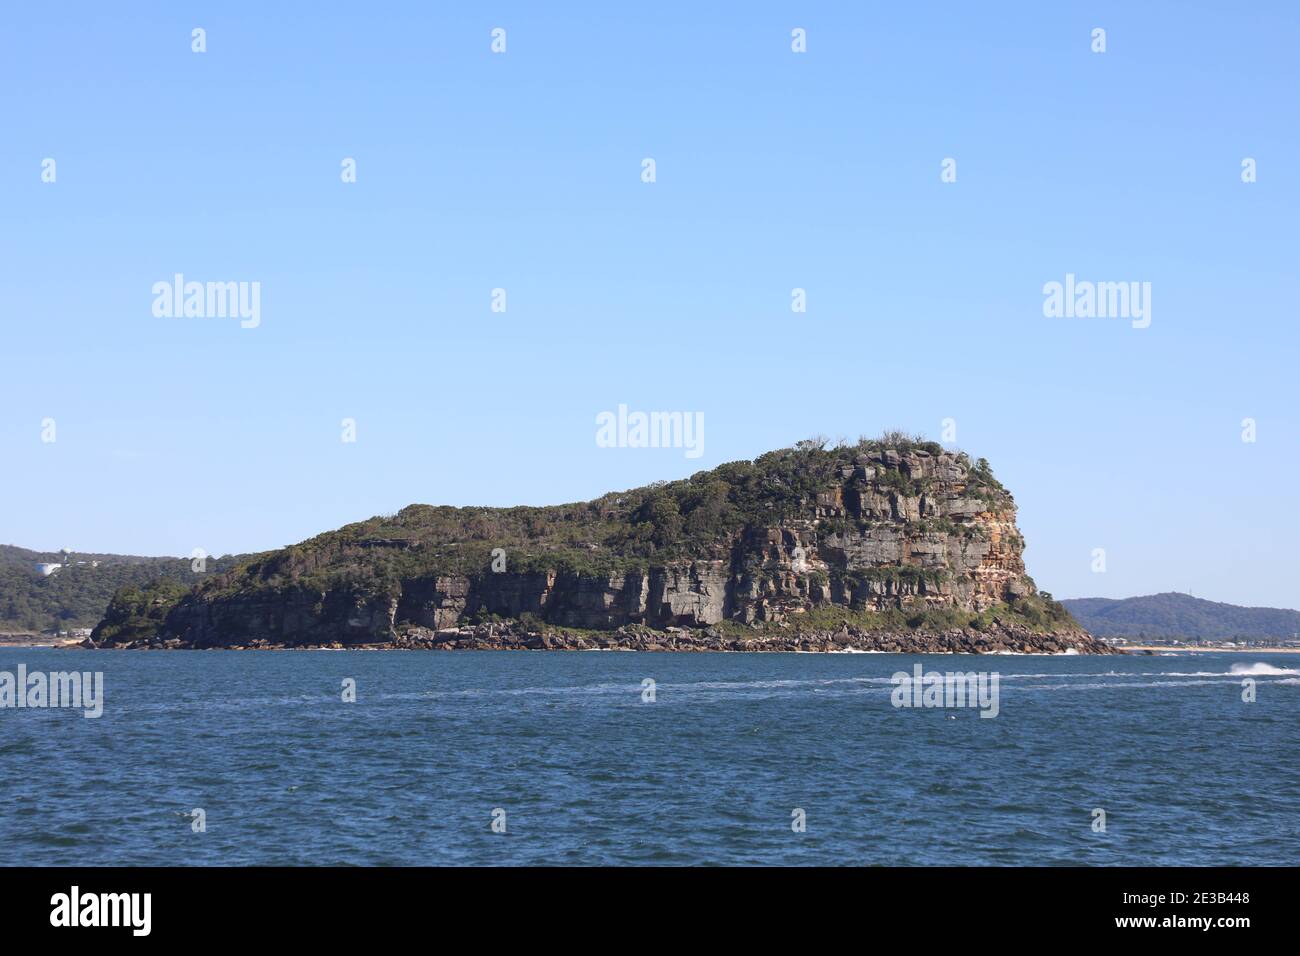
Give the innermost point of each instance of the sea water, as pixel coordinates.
(640, 758)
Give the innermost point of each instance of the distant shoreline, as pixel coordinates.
(36, 640)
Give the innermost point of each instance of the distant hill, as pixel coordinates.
(77, 595)
(1180, 615)
(13, 555)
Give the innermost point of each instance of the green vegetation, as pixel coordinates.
(77, 596)
(136, 613)
(1038, 614)
(901, 442)
(981, 483)
(696, 517)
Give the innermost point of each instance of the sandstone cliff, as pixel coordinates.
(877, 541)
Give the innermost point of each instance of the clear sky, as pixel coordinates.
(774, 170)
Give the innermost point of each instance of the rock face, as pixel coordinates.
(902, 534)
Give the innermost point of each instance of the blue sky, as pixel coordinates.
(774, 170)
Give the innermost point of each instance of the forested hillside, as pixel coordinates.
(77, 595)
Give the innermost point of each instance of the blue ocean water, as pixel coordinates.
(710, 772)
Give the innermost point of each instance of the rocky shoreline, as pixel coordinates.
(511, 637)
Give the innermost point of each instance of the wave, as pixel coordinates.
(1113, 686)
(1089, 679)
(1264, 669)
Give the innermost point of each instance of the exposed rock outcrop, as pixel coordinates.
(916, 545)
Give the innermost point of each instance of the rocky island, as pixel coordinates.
(889, 544)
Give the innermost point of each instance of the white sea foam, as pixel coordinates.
(1263, 669)
(1113, 686)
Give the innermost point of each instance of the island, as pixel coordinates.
(892, 544)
